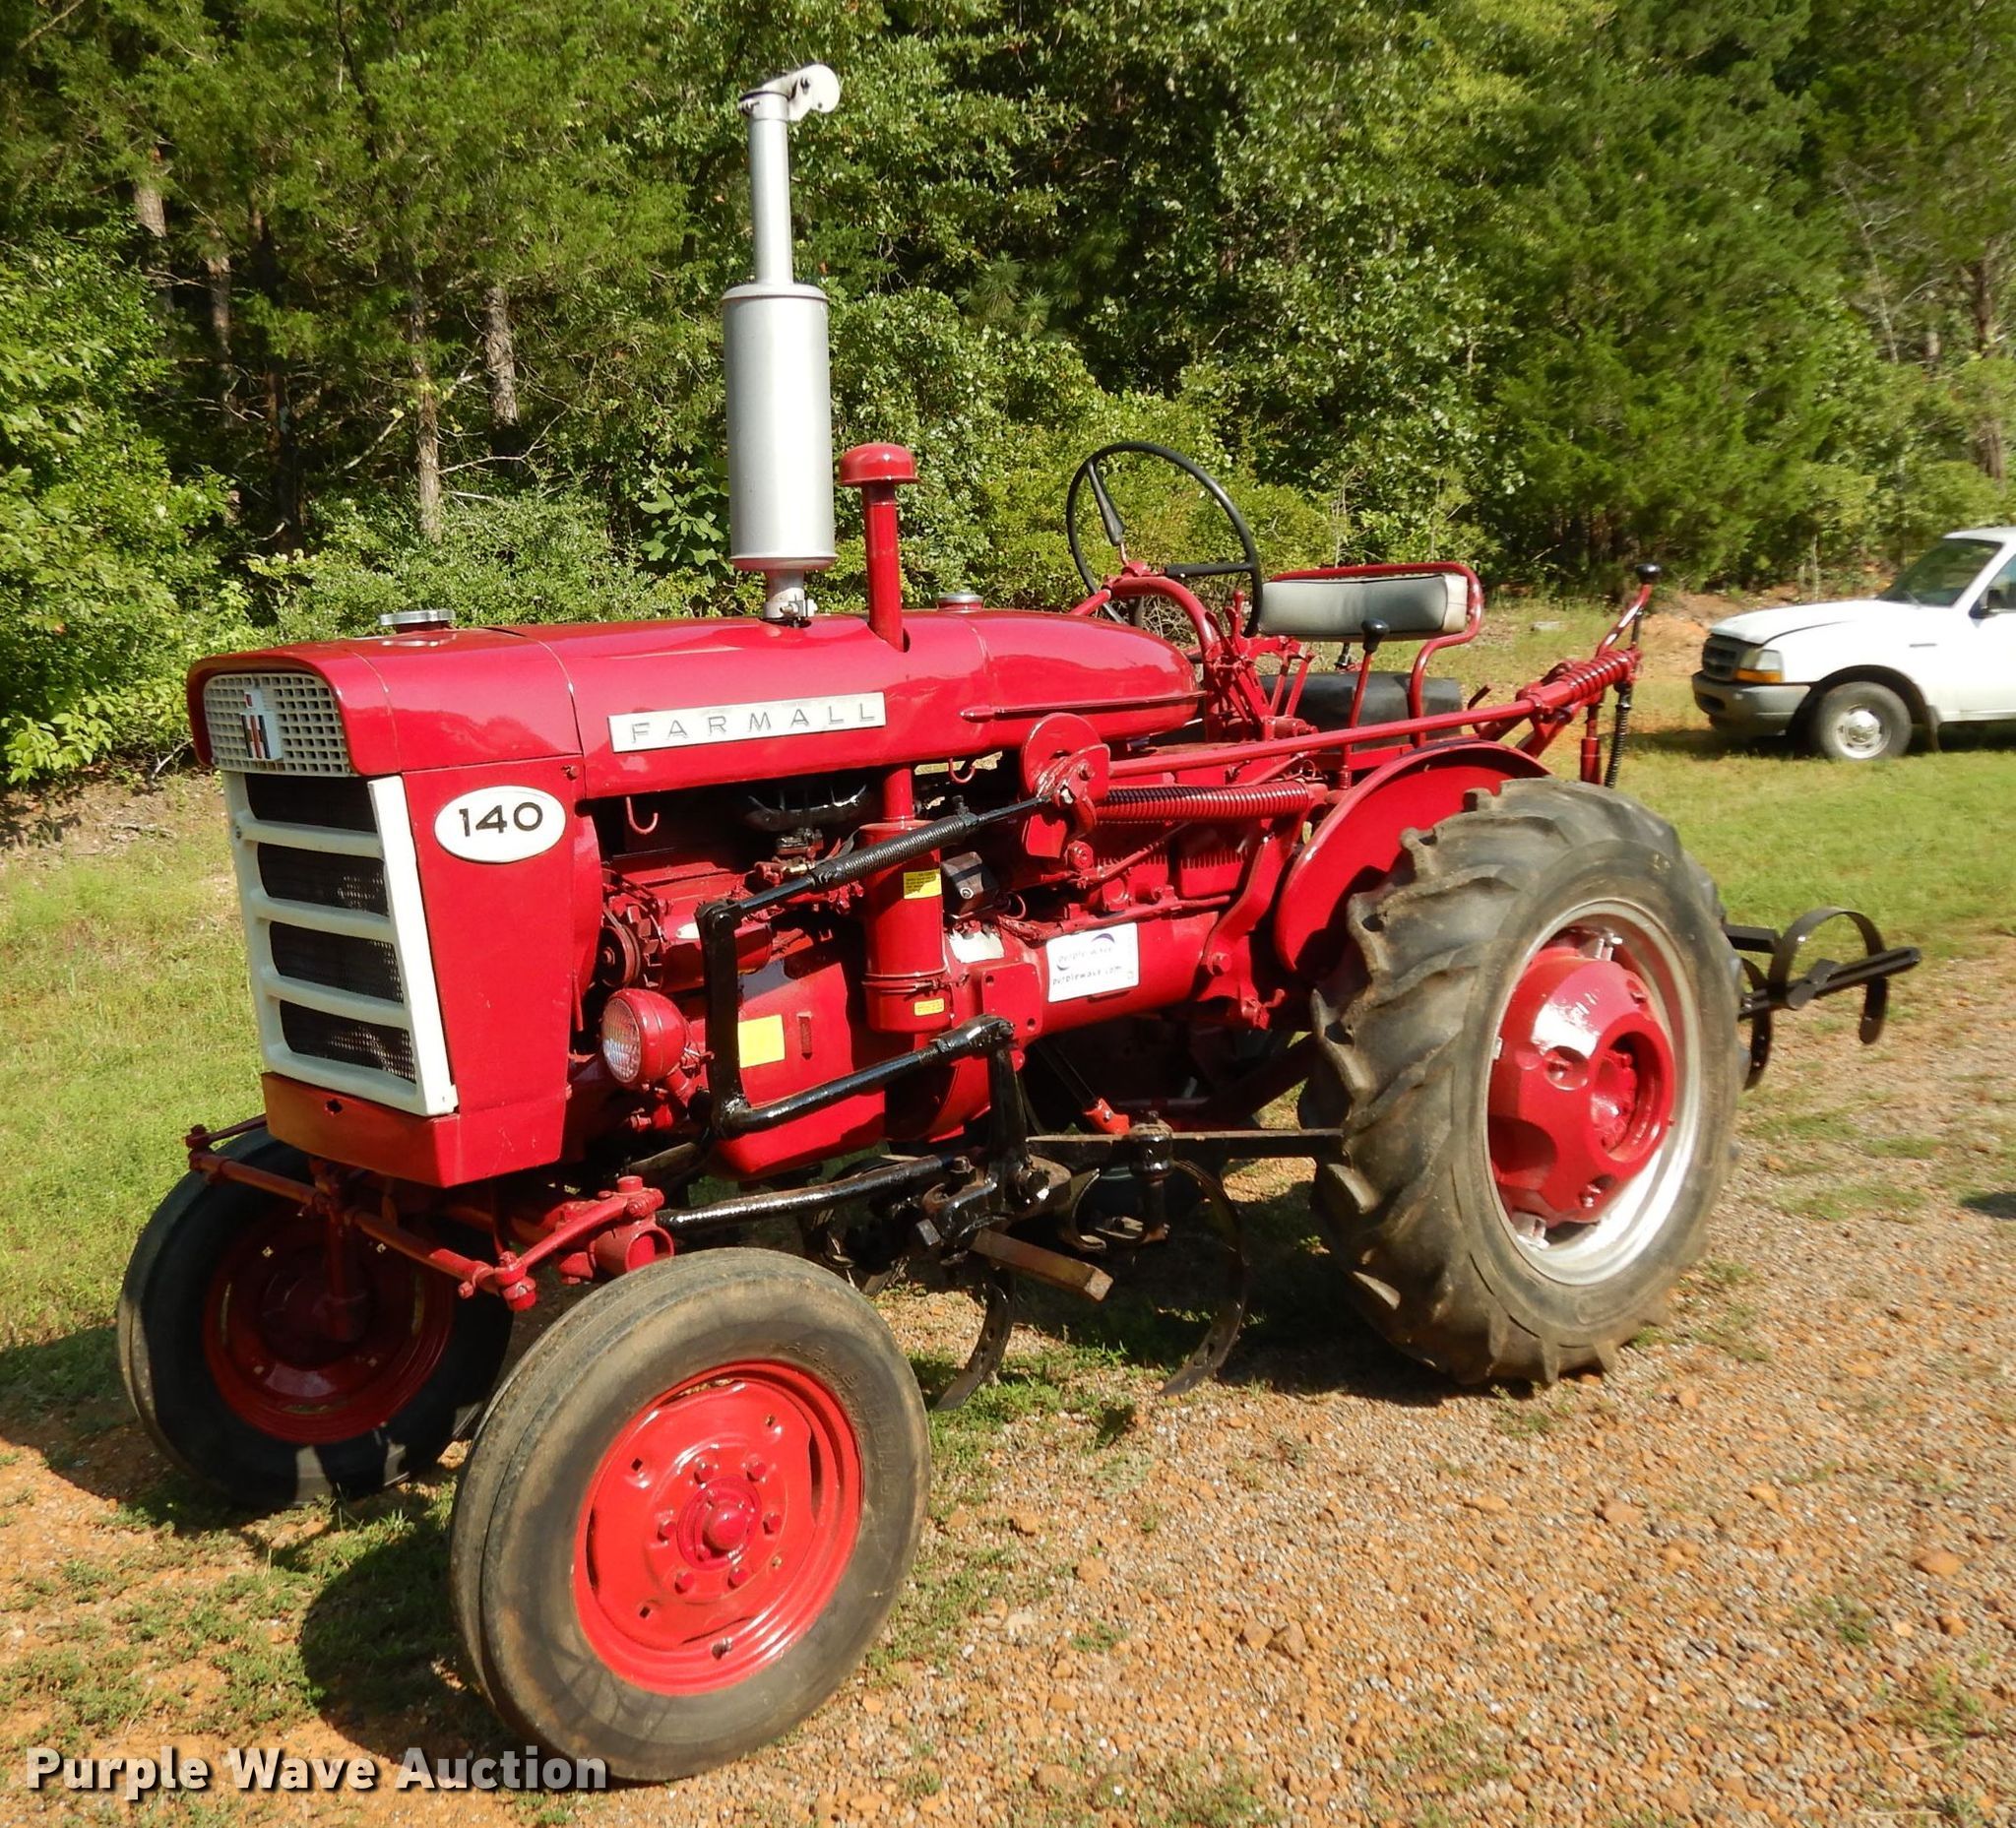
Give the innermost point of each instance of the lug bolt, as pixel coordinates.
(703, 1471)
(737, 1575)
(756, 1468)
(682, 1582)
(773, 1523)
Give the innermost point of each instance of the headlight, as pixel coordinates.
(1761, 666)
(643, 1036)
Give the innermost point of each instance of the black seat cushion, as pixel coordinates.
(1326, 698)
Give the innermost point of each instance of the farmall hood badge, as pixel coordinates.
(696, 725)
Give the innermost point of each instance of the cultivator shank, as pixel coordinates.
(1774, 987)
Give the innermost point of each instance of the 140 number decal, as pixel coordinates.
(500, 825)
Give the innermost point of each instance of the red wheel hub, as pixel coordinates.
(1581, 1089)
(313, 1349)
(716, 1528)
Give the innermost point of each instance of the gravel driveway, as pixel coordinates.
(1762, 1573)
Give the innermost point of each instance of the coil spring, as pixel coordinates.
(1275, 799)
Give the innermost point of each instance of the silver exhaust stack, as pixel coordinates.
(780, 390)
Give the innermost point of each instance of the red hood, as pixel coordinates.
(967, 684)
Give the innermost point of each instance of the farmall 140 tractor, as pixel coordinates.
(909, 927)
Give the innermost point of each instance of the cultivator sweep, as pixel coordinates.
(977, 945)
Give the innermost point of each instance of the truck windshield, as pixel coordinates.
(1937, 580)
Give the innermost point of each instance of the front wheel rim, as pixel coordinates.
(1593, 1095)
(312, 1358)
(717, 1528)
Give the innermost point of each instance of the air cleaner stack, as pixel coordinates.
(779, 390)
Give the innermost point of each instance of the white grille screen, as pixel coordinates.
(275, 723)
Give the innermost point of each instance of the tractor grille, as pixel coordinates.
(312, 799)
(1720, 654)
(362, 1043)
(347, 961)
(275, 723)
(336, 935)
(323, 881)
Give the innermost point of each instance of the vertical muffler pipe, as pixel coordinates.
(779, 387)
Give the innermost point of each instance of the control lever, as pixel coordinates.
(1376, 633)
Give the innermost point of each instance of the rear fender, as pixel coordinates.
(1358, 845)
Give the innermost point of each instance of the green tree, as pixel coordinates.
(1672, 370)
(108, 590)
(1914, 113)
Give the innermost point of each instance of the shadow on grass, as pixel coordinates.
(62, 1397)
(378, 1645)
(1702, 743)
(1994, 1205)
(1301, 1336)
(360, 1591)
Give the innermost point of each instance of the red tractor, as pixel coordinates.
(909, 927)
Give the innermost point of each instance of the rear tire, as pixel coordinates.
(689, 1513)
(1859, 722)
(227, 1371)
(1520, 1193)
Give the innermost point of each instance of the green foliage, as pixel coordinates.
(530, 559)
(426, 297)
(107, 591)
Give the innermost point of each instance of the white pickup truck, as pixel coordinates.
(1858, 679)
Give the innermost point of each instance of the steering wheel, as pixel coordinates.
(1247, 566)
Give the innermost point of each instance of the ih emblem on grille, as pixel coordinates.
(261, 727)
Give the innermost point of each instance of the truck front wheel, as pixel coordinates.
(1859, 722)
(688, 1513)
(276, 1374)
(1533, 1060)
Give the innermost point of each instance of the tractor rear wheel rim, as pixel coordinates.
(718, 1527)
(305, 1362)
(1592, 1097)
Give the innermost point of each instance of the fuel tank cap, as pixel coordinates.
(415, 621)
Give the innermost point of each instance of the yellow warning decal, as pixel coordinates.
(929, 1006)
(761, 1040)
(919, 885)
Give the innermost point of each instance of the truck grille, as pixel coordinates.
(336, 935)
(1719, 654)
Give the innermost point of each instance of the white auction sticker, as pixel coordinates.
(1085, 964)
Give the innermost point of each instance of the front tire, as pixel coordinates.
(1859, 722)
(253, 1378)
(689, 1513)
(1534, 1064)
